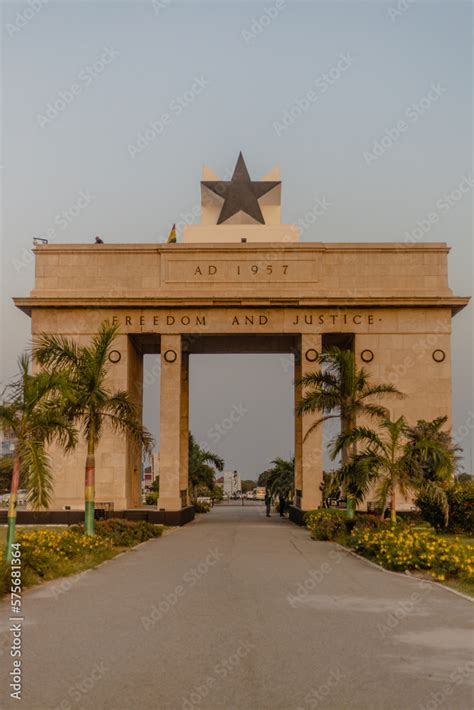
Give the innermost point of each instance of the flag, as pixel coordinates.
(172, 235)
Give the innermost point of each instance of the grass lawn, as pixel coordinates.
(461, 586)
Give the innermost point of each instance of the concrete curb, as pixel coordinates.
(406, 574)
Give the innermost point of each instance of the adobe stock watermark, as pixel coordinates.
(315, 212)
(184, 219)
(25, 16)
(322, 692)
(79, 690)
(221, 670)
(84, 79)
(65, 584)
(443, 205)
(399, 8)
(315, 577)
(222, 428)
(320, 87)
(411, 115)
(152, 375)
(464, 430)
(441, 698)
(63, 219)
(190, 579)
(398, 371)
(177, 105)
(260, 24)
(402, 609)
(160, 5)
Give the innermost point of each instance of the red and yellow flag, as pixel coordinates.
(172, 235)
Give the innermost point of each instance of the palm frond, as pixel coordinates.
(318, 401)
(318, 423)
(57, 352)
(353, 436)
(102, 342)
(373, 410)
(381, 390)
(36, 463)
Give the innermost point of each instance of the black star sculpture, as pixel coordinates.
(240, 193)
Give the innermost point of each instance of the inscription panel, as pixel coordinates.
(241, 271)
(395, 322)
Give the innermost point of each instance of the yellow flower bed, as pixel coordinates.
(406, 548)
(43, 551)
(67, 543)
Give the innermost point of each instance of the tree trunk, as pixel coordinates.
(11, 529)
(393, 506)
(347, 425)
(90, 486)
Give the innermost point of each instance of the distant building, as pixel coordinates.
(152, 471)
(7, 443)
(231, 483)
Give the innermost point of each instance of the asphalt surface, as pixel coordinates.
(237, 610)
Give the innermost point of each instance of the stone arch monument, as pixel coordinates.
(240, 281)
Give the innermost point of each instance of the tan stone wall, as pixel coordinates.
(302, 269)
(118, 471)
(402, 342)
(308, 444)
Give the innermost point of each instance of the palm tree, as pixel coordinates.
(90, 403)
(341, 390)
(31, 411)
(200, 467)
(435, 463)
(280, 479)
(395, 461)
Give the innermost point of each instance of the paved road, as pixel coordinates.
(239, 611)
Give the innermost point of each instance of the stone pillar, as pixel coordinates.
(170, 423)
(308, 453)
(298, 433)
(184, 429)
(134, 451)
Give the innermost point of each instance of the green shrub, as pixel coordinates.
(404, 547)
(151, 498)
(126, 533)
(461, 508)
(326, 523)
(202, 507)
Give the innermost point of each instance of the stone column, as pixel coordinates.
(170, 422)
(184, 429)
(134, 451)
(298, 434)
(309, 459)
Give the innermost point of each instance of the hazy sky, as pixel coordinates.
(380, 143)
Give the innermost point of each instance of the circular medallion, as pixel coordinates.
(438, 355)
(170, 355)
(114, 356)
(311, 355)
(367, 355)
